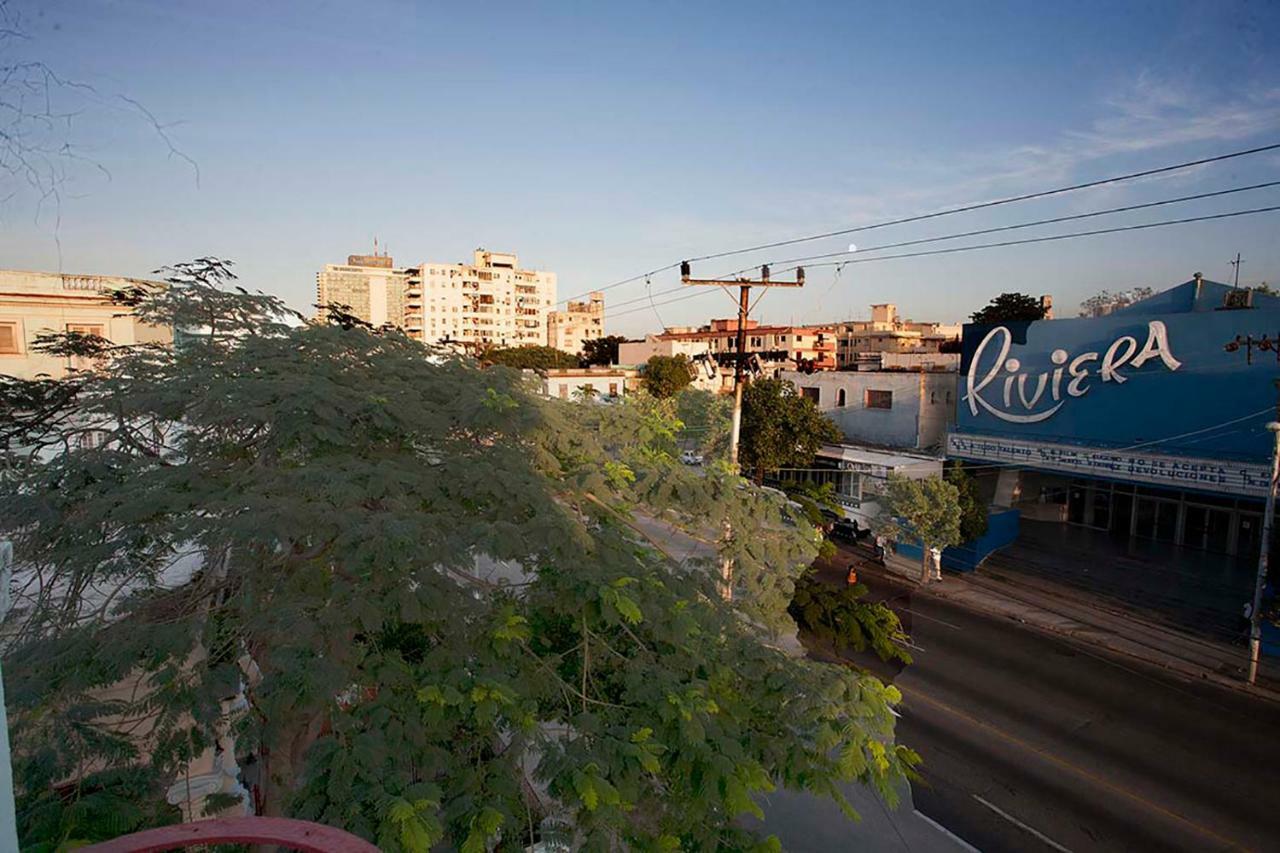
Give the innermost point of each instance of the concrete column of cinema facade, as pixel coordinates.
(1149, 423)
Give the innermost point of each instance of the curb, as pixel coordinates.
(1187, 671)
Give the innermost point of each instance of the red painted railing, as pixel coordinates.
(295, 834)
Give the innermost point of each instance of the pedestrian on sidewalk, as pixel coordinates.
(1246, 620)
(853, 574)
(935, 572)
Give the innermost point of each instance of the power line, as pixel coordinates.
(986, 204)
(1050, 221)
(948, 212)
(1052, 237)
(620, 283)
(1045, 239)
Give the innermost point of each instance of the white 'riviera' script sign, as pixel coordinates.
(992, 356)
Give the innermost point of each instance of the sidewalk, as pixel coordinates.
(1071, 612)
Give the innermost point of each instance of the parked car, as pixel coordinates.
(691, 457)
(848, 530)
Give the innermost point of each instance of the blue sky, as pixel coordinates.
(600, 140)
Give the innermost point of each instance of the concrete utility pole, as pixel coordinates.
(1264, 558)
(8, 819)
(1236, 264)
(744, 286)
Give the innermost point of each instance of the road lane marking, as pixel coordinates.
(1029, 829)
(930, 618)
(960, 842)
(1067, 765)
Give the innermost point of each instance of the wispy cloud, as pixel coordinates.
(1145, 115)
(1152, 114)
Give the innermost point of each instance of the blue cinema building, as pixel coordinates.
(1133, 445)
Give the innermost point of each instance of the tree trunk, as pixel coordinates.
(924, 565)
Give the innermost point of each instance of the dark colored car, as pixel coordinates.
(847, 530)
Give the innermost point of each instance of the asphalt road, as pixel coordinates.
(1033, 742)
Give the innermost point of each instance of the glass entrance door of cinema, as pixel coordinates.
(1207, 528)
(1154, 518)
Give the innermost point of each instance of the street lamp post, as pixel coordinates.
(1255, 614)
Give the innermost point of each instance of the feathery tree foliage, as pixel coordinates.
(1010, 308)
(926, 511)
(974, 516)
(433, 586)
(705, 420)
(837, 615)
(780, 428)
(601, 351)
(666, 375)
(531, 358)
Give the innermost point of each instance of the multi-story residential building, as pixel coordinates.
(489, 302)
(580, 322)
(887, 332)
(32, 303)
(371, 287)
(715, 345)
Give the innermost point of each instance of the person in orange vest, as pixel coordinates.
(853, 574)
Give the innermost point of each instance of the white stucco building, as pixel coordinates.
(488, 302)
(579, 322)
(32, 303)
(886, 332)
(894, 409)
(600, 383)
(371, 287)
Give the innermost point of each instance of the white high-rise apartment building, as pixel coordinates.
(488, 302)
(369, 285)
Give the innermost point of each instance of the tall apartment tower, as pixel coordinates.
(490, 302)
(580, 322)
(371, 285)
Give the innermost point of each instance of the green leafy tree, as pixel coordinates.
(838, 615)
(813, 498)
(706, 419)
(780, 428)
(1010, 308)
(925, 511)
(601, 351)
(101, 806)
(448, 599)
(666, 375)
(1105, 302)
(973, 509)
(531, 358)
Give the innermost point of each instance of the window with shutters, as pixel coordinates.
(879, 399)
(80, 362)
(10, 337)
